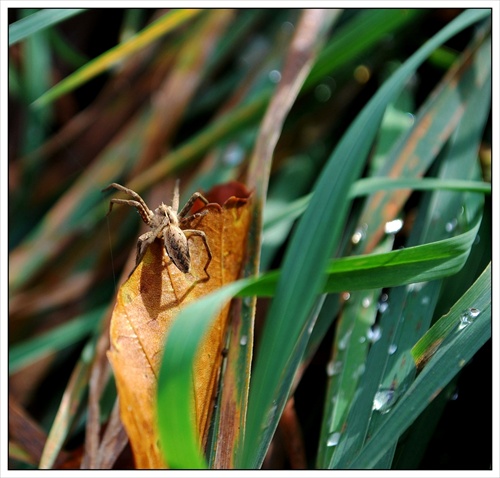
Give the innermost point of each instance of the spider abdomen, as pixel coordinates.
(177, 248)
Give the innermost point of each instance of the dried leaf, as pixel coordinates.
(147, 305)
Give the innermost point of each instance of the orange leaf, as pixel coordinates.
(147, 304)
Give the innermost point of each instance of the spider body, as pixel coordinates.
(166, 223)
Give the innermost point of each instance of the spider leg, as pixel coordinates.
(190, 202)
(175, 200)
(196, 232)
(142, 244)
(196, 215)
(137, 202)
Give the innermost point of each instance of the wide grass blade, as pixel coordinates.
(178, 436)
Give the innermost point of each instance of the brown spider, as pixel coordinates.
(166, 223)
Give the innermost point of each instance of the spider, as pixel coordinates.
(165, 222)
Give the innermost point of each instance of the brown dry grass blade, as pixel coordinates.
(146, 307)
(25, 433)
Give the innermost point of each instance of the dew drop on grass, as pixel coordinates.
(359, 234)
(392, 349)
(366, 302)
(322, 93)
(275, 76)
(411, 117)
(233, 155)
(392, 227)
(333, 439)
(468, 317)
(383, 306)
(374, 333)
(359, 371)
(270, 415)
(345, 340)
(248, 301)
(384, 400)
(450, 226)
(333, 368)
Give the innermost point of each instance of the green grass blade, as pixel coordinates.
(317, 234)
(178, 436)
(39, 21)
(370, 185)
(421, 263)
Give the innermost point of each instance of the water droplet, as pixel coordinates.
(243, 340)
(359, 234)
(474, 312)
(412, 118)
(333, 439)
(392, 349)
(333, 367)
(392, 227)
(322, 93)
(362, 74)
(359, 371)
(382, 307)
(374, 333)
(451, 225)
(415, 287)
(270, 416)
(467, 318)
(366, 302)
(345, 340)
(275, 76)
(384, 400)
(477, 240)
(425, 300)
(287, 27)
(346, 295)
(233, 155)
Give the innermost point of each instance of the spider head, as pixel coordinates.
(166, 211)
